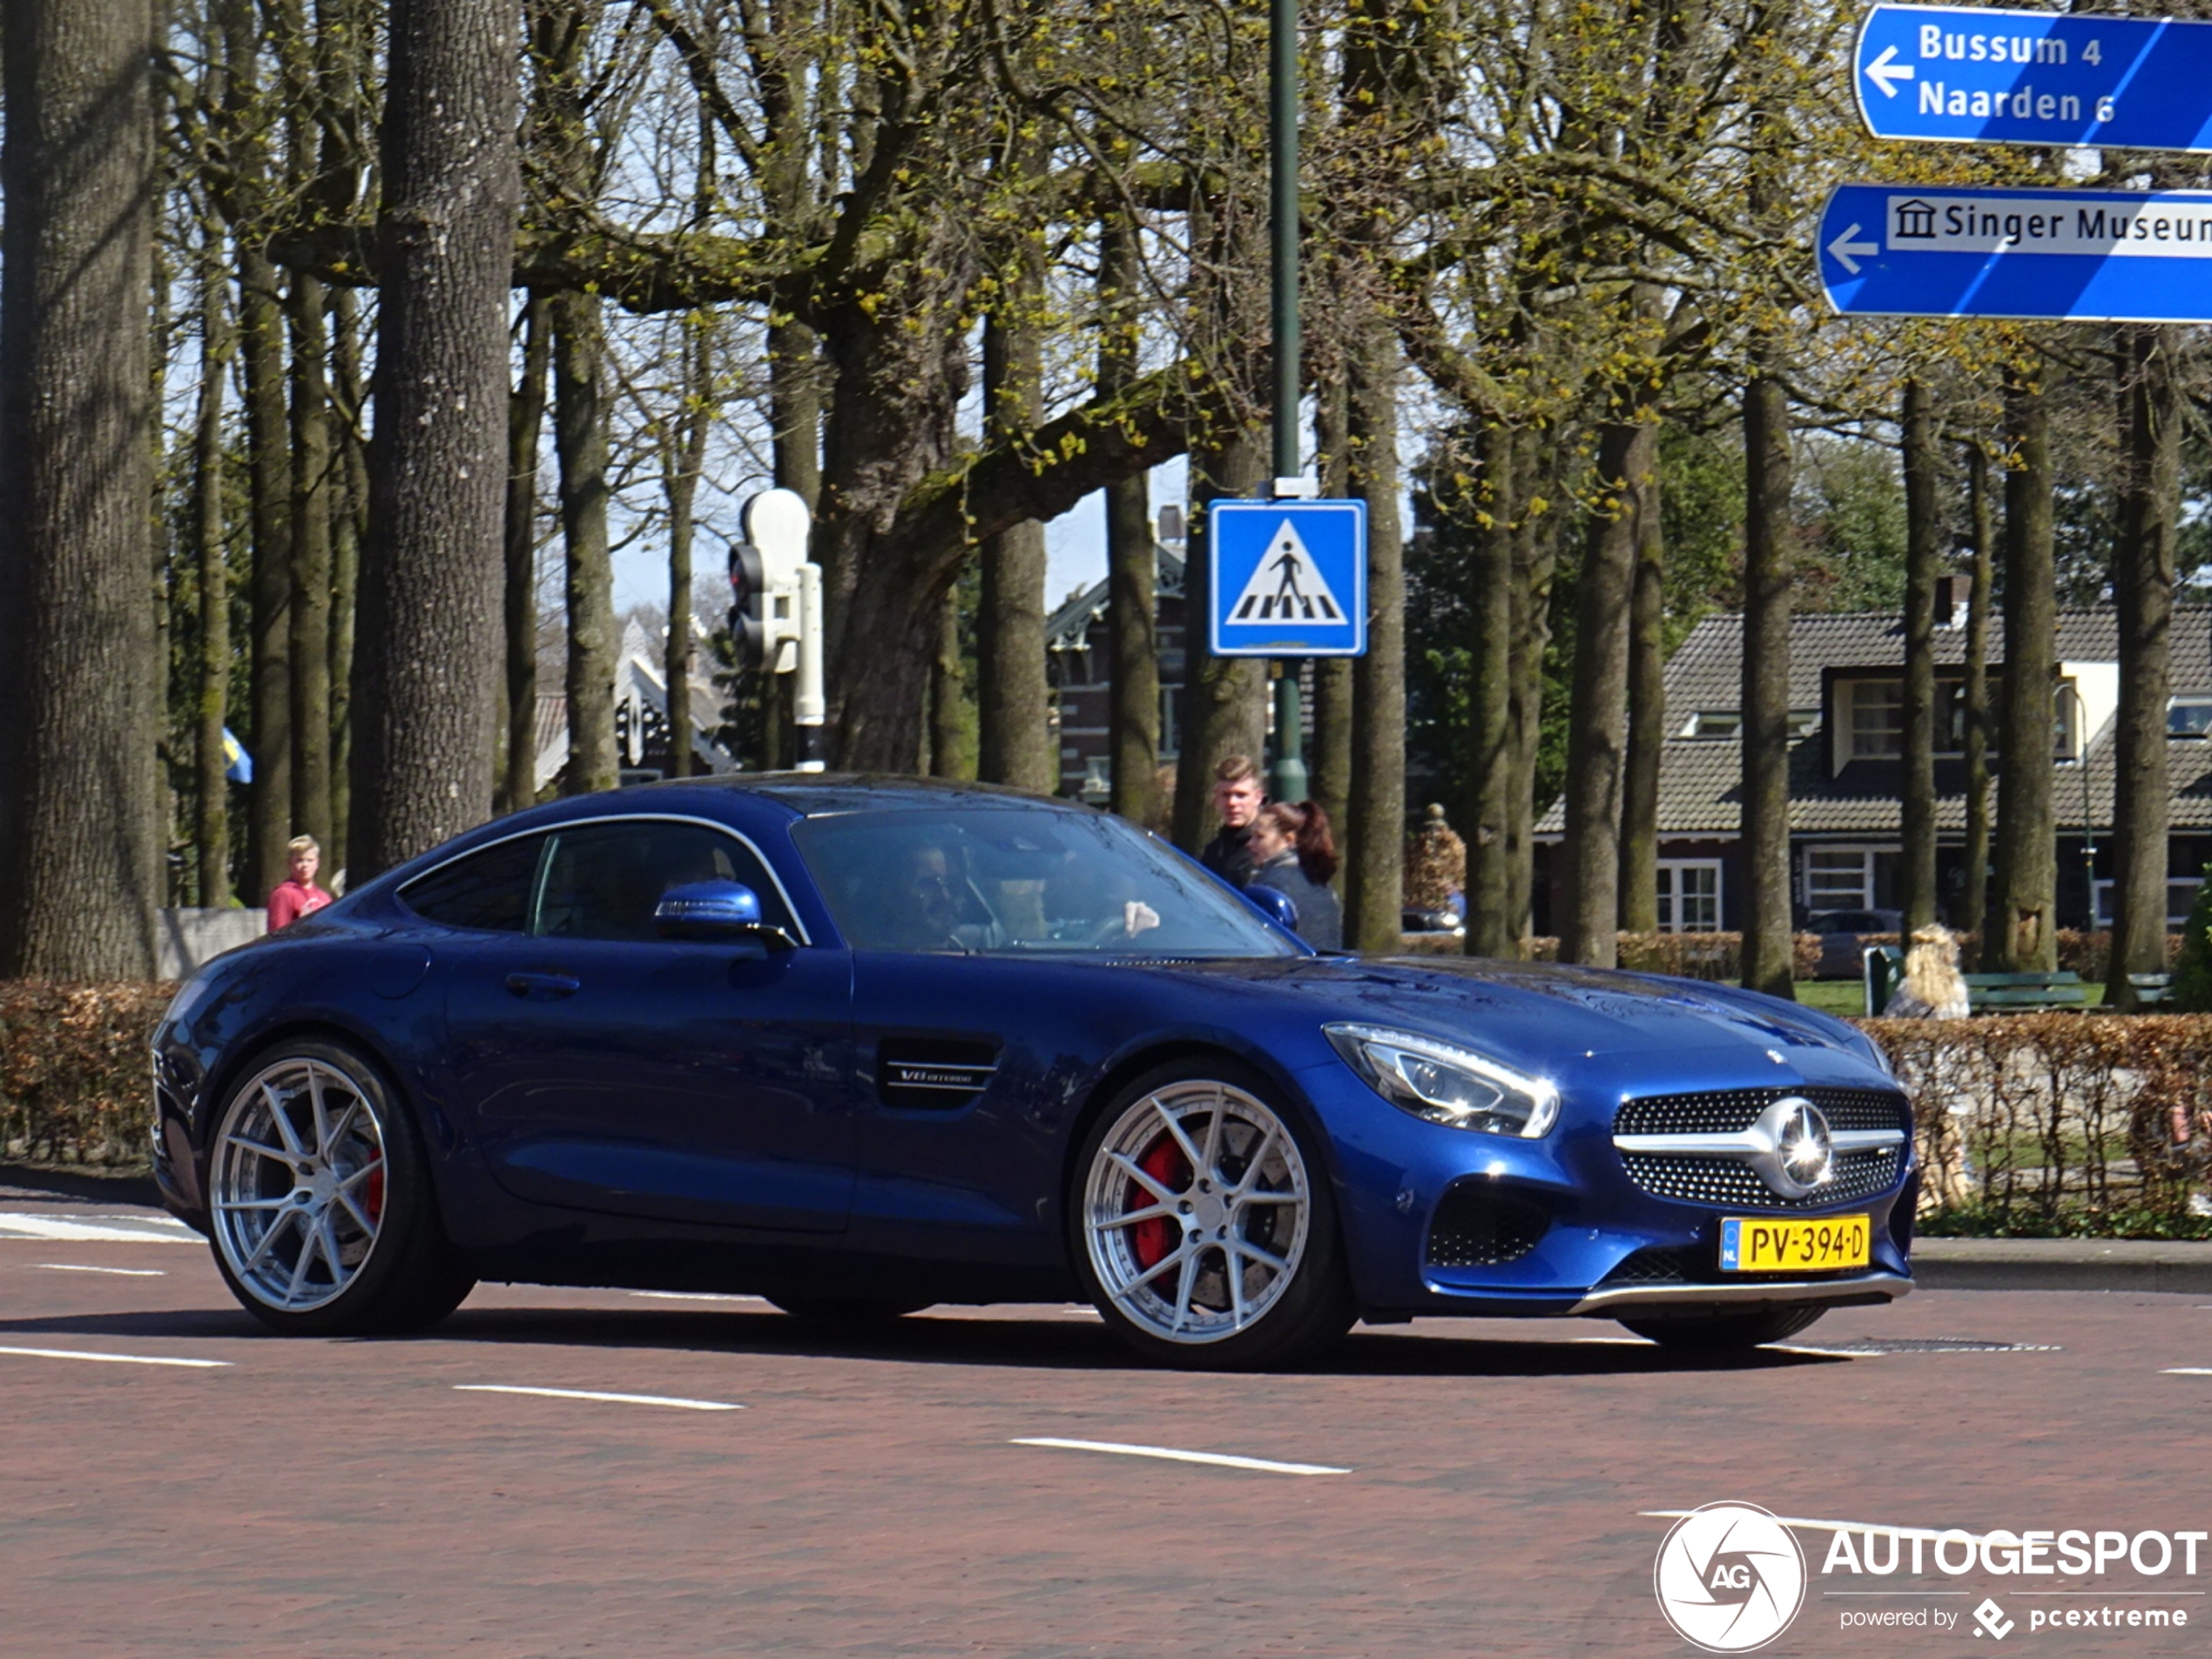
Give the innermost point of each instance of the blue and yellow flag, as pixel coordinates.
(240, 771)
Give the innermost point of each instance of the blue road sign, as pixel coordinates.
(1970, 74)
(1290, 577)
(2064, 255)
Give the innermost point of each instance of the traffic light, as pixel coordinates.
(763, 614)
(776, 609)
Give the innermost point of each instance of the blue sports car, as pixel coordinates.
(862, 1045)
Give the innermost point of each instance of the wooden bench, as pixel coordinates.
(2024, 993)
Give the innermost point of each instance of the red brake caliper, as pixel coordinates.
(1164, 1162)
(372, 1191)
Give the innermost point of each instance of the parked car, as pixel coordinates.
(1421, 920)
(1844, 935)
(862, 1045)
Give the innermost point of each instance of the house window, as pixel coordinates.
(2180, 894)
(1804, 722)
(1171, 721)
(1690, 896)
(1714, 723)
(1876, 719)
(2190, 715)
(1839, 878)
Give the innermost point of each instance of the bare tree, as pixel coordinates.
(2022, 935)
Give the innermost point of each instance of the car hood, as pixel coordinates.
(1541, 1015)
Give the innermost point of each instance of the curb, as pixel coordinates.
(2138, 1264)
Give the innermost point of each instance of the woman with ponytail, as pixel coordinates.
(1292, 852)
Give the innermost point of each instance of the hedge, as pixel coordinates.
(76, 1073)
(2044, 1123)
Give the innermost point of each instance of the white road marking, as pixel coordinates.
(118, 1359)
(121, 1272)
(110, 1229)
(588, 1393)
(1219, 1459)
(2187, 1371)
(1929, 1533)
(693, 1296)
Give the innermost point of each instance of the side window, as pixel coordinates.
(489, 890)
(604, 880)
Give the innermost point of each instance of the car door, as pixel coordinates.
(604, 1068)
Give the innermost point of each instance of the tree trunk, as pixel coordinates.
(269, 494)
(80, 834)
(525, 424)
(1132, 561)
(1598, 709)
(211, 762)
(1535, 556)
(310, 617)
(1013, 699)
(1769, 563)
(952, 711)
(1646, 716)
(349, 521)
(1336, 708)
(1973, 892)
(688, 457)
(431, 578)
(2022, 932)
(1923, 551)
(1224, 707)
(1492, 928)
(2142, 585)
(1375, 814)
(580, 444)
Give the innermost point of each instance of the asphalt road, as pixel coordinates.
(1494, 1488)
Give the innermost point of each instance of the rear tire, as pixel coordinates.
(1724, 1333)
(1203, 1225)
(322, 1217)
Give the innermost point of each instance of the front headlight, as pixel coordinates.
(1445, 1084)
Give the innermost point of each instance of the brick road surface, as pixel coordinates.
(341, 1498)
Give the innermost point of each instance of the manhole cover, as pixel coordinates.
(1927, 1345)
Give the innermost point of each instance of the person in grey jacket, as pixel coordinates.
(1292, 852)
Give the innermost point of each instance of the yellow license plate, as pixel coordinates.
(1751, 1246)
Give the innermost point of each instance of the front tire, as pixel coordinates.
(323, 1220)
(1717, 1334)
(1202, 1225)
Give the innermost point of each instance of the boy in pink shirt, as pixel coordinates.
(298, 895)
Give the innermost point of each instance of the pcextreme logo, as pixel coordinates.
(1729, 1577)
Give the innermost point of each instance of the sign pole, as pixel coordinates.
(1288, 781)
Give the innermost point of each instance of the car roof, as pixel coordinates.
(816, 794)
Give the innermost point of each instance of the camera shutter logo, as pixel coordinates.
(1729, 1577)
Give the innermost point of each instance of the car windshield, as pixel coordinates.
(1015, 880)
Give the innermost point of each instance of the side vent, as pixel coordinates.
(933, 1074)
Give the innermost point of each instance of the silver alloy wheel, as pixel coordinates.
(297, 1183)
(1195, 1211)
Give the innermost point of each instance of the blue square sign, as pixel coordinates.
(1289, 578)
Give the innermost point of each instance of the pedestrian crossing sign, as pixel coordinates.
(1290, 577)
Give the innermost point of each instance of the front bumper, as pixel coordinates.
(1607, 1302)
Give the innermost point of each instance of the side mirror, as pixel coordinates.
(717, 910)
(1275, 905)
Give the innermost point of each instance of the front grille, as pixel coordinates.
(1476, 1225)
(1728, 1111)
(1662, 1264)
(1724, 1183)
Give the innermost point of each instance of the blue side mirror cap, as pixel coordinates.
(725, 908)
(1275, 905)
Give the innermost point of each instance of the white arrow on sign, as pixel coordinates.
(1885, 72)
(1842, 247)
